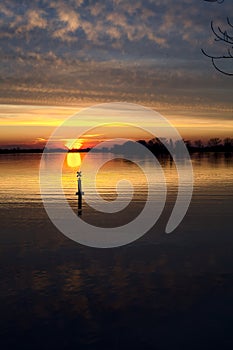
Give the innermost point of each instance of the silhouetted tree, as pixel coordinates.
(142, 142)
(198, 143)
(214, 142)
(228, 143)
(158, 146)
(188, 143)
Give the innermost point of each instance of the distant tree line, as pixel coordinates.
(20, 150)
(155, 145)
(213, 145)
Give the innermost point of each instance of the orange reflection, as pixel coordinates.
(73, 160)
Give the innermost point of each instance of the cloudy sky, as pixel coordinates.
(78, 52)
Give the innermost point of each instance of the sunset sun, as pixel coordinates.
(74, 144)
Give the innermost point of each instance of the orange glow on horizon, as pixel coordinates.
(32, 126)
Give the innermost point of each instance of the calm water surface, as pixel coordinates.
(160, 292)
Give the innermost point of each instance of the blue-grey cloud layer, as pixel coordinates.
(139, 50)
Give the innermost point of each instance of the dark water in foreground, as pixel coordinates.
(160, 292)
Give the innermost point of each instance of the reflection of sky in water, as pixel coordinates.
(20, 181)
(130, 296)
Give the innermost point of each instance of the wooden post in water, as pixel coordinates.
(80, 193)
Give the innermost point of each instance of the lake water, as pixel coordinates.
(159, 292)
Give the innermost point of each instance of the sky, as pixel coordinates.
(60, 56)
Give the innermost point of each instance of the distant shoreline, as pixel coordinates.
(40, 151)
(156, 146)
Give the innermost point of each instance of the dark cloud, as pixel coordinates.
(107, 50)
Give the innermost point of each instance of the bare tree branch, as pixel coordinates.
(228, 21)
(227, 39)
(218, 1)
(218, 69)
(221, 36)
